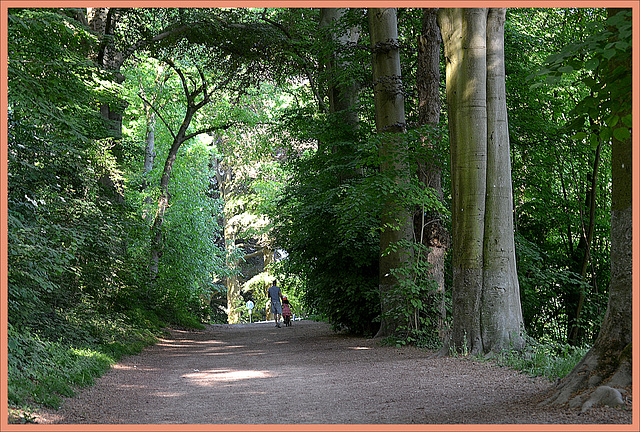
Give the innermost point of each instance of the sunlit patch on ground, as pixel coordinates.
(167, 394)
(224, 375)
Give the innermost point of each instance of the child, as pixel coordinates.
(286, 311)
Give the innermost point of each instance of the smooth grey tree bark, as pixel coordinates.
(342, 94)
(463, 35)
(396, 221)
(502, 322)
(487, 314)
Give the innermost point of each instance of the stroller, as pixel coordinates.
(286, 312)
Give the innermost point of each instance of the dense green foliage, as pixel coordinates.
(282, 174)
(554, 172)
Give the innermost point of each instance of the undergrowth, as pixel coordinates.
(43, 369)
(553, 361)
(550, 360)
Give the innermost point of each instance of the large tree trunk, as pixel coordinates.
(464, 37)
(102, 22)
(487, 316)
(502, 322)
(609, 361)
(429, 229)
(397, 224)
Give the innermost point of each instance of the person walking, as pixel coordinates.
(276, 307)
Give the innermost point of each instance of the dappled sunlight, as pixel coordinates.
(173, 345)
(359, 348)
(167, 394)
(208, 342)
(133, 368)
(219, 376)
(131, 386)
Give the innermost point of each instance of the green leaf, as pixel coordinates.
(550, 79)
(622, 45)
(621, 134)
(627, 120)
(612, 120)
(591, 64)
(566, 69)
(579, 136)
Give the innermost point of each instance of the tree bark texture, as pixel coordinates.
(463, 34)
(102, 22)
(502, 322)
(342, 95)
(342, 92)
(396, 221)
(486, 300)
(429, 229)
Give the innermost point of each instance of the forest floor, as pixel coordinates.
(258, 374)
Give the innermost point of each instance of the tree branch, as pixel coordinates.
(185, 86)
(256, 253)
(209, 129)
(159, 115)
(305, 66)
(144, 42)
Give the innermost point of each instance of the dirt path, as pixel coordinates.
(259, 374)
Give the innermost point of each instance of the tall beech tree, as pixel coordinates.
(486, 299)
(396, 222)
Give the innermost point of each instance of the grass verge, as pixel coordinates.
(41, 371)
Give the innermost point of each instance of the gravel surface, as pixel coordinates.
(306, 374)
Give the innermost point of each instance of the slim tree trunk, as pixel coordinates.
(390, 121)
(429, 228)
(163, 200)
(575, 329)
(203, 93)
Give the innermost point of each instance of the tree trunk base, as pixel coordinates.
(593, 382)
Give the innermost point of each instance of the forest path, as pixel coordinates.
(305, 373)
